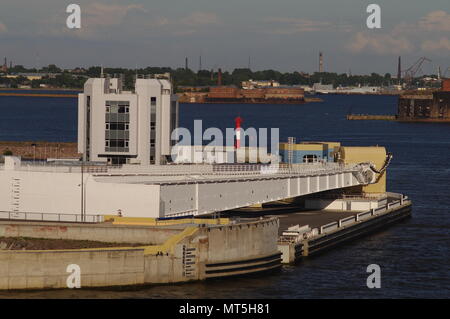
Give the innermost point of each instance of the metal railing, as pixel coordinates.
(194, 169)
(49, 217)
(348, 221)
(361, 216)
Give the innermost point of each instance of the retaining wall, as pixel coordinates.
(210, 251)
(145, 235)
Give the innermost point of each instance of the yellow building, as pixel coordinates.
(376, 155)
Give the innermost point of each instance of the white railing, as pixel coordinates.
(49, 217)
(193, 169)
(361, 216)
(348, 221)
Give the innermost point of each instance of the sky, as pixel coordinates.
(284, 35)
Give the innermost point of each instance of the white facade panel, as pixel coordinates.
(60, 193)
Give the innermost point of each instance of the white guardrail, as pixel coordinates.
(345, 222)
(325, 229)
(48, 217)
(193, 169)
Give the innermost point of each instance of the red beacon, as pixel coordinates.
(238, 121)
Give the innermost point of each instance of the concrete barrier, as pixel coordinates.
(146, 235)
(194, 253)
(342, 230)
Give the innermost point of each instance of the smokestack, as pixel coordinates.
(399, 71)
(186, 65)
(212, 74)
(320, 62)
(219, 78)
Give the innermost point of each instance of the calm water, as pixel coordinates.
(414, 255)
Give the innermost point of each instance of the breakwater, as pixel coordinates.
(169, 254)
(358, 117)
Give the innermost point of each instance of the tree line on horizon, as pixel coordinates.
(76, 78)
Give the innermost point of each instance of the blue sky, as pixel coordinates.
(284, 34)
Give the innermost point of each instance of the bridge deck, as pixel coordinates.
(169, 190)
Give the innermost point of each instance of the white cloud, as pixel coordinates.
(383, 44)
(100, 14)
(97, 20)
(193, 23)
(200, 18)
(290, 26)
(443, 44)
(404, 37)
(435, 21)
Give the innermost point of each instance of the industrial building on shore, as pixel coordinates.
(266, 92)
(433, 107)
(271, 95)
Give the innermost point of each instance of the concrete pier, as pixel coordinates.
(170, 254)
(317, 232)
(371, 117)
(186, 250)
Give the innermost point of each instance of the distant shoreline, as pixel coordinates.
(56, 95)
(41, 89)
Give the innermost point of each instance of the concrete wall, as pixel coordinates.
(344, 204)
(186, 260)
(145, 235)
(60, 193)
(39, 270)
(228, 243)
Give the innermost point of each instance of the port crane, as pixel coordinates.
(411, 72)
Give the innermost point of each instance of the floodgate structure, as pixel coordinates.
(169, 223)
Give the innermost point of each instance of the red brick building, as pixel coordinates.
(231, 94)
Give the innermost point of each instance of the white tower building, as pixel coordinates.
(120, 127)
